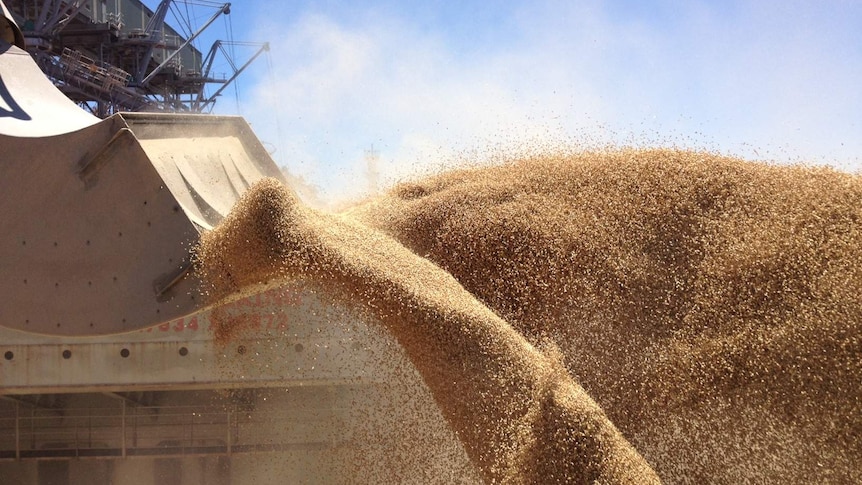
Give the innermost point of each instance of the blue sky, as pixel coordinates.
(427, 83)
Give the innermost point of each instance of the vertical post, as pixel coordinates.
(123, 429)
(17, 431)
(192, 432)
(32, 427)
(135, 430)
(228, 434)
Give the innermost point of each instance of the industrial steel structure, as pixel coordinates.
(109, 370)
(284, 402)
(119, 55)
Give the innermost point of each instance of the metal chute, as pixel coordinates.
(99, 216)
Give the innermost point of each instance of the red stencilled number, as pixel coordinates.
(286, 298)
(193, 323)
(276, 321)
(165, 327)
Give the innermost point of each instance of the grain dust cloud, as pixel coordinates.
(607, 316)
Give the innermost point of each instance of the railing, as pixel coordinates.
(164, 431)
(77, 65)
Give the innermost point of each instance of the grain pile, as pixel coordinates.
(708, 306)
(516, 410)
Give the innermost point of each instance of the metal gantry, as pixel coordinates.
(118, 55)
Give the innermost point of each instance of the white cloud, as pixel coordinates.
(743, 81)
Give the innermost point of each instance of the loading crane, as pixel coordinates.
(121, 56)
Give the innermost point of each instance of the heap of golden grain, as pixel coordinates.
(609, 315)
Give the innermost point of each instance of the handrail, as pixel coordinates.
(163, 431)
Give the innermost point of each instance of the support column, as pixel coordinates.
(229, 450)
(17, 431)
(123, 428)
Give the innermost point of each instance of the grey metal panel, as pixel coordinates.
(98, 218)
(135, 15)
(206, 161)
(292, 337)
(91, 235)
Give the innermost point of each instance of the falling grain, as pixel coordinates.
(708, 306)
